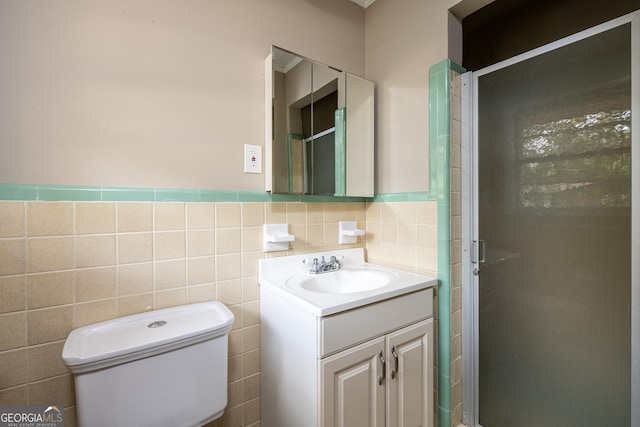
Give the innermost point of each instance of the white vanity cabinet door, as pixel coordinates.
(410, 376)
(350, 388)
(351, 395)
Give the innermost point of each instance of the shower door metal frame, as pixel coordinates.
(470, 220)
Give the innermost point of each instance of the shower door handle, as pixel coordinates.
(479, 250)
(479, 255)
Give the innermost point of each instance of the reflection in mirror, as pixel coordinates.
(291, 93)
(306, 142)
(320, 129)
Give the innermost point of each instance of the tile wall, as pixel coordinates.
(403, 235)
(68, 264)
(455, 259)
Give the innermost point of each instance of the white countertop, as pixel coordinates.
(275, 273)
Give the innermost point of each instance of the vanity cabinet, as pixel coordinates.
(368, 366)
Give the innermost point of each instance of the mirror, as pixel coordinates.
(318, 130)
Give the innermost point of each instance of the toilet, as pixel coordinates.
(160, 368)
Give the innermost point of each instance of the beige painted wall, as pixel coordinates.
(164, 93)
(403, 39)
(151, 93)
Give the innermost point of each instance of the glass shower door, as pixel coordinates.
(554, 222)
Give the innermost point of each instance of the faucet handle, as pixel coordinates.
(314, 264)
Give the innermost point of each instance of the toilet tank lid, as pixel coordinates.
(141, 335)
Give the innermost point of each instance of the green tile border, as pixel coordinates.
(418, 196)
(38, 192)
(18, 192)
(177, 195)
(218, 196)
(457, 68)
(439, 163)
(29, 192)
(125, 194)
(254, 196)
(84, 194)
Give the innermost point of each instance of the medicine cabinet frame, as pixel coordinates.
(319, 128)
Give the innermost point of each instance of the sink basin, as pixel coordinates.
(356, 284)
(344, 281)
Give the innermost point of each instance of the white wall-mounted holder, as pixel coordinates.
(348, 233)
(276, 237)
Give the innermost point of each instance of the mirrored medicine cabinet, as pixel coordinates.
(318, 129)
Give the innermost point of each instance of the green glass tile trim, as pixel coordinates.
(254, 196)
(457, 68)
(219, 196)
(341, 152)
(285, 197)
(18, 192)
(177, 195)
(125, 194)
(319, 199)
(417, 196)
(68, 192)
(313, 198)
(28, 192)
(439, 185)
(49, 192)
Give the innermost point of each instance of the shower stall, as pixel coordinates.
(551, 213)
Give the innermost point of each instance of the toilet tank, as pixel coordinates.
(161, 368)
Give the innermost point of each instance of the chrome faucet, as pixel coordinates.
(322, 266)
